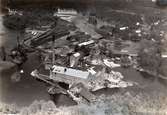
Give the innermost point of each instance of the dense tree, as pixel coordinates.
(149, 55)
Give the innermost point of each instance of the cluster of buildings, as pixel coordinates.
(82, 61)
(80, 52)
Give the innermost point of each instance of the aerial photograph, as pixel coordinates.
(83, 57)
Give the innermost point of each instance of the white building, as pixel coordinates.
(67, 15)
(70, 72)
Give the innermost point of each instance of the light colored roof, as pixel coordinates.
(70, 72)
(86, 43)
(164, 56)
(72, 12)
(111, 64)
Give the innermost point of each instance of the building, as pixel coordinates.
(67, 15)
(69, 75)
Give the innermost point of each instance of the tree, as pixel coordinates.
(149, 56)
(35, 107)
(24, 111)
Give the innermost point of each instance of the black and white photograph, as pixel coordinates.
(83, 57)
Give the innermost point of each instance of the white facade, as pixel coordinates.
(67, 15)
(70, 72)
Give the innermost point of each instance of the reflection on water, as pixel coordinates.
(24, 92)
